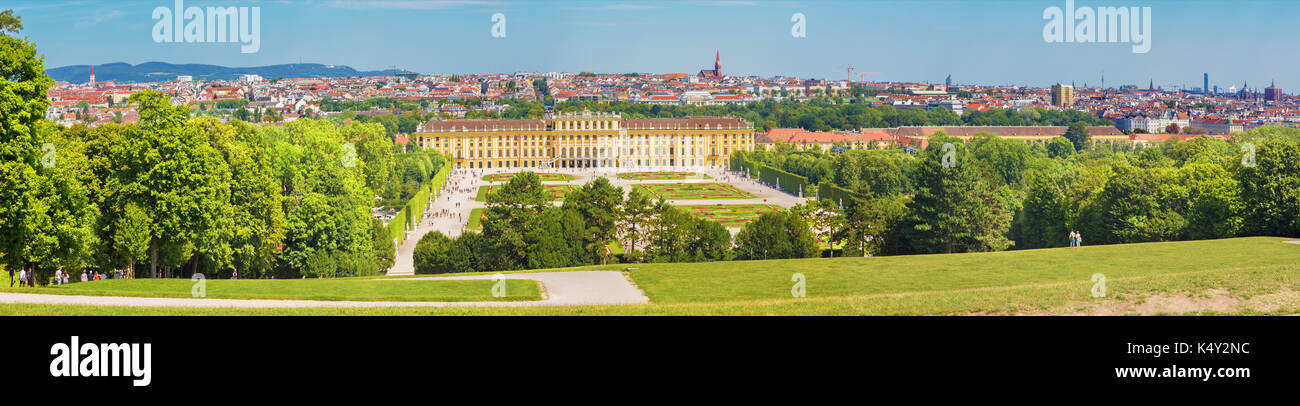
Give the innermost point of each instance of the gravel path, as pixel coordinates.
(561, 289)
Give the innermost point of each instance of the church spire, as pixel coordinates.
(717, 62)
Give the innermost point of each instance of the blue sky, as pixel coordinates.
(986, 42)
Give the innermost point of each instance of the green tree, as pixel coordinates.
(512, 209)
(1271, 189)
(776, 235)
(558, 239)
(131, 236)
(61, 217)
(868, 223)
(432, 254)
(1060, 147)
(954, 209)
(599, 205)
(823, 219)
(1008, 159)
(637, 210)
(180, 180)
(1044, 217)
(23, 102)
(1078, 135)
(327, 204)
(1214, 199)
(1136, 205)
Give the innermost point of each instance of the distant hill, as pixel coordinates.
(161, 71)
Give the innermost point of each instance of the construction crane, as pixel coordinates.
(862, 76)
(848, 70)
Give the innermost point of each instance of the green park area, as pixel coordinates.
(1255, 275)
(546, 177)
(352, 289)
(475, 221)
(662, 176)
(557, 192)
(730, 215)
(694, 191)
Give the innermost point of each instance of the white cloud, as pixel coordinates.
(99, 18)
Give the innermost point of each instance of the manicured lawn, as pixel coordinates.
(1050, 280)
(360, 289)
(557, 191)
(731, 215)
(546, 177)
(695, 191)
(663, 176)
(475, 220)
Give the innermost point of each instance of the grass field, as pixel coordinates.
(663, 176)
(475, 220)
(546, 177)
(358, 289)
(557, 191)
(695, 191)
(1258, 275)
(731, 215)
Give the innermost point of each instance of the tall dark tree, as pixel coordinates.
(954, 209)
(512, 209)
(1043, 220)
(1078, 135)
(600, 206)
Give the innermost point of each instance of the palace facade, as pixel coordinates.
(588, 140)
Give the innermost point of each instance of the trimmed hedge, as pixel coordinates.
(409, 215)
(827, 190)
(789, 182)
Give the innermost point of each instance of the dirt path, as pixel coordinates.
(561, 289)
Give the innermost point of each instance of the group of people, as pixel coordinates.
(1076, 238)
(28, 279)
(24, 279)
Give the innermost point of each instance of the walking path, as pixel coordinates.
(560, 288)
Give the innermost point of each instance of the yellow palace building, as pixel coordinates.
(588, 140)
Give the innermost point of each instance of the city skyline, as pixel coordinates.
(987, 43)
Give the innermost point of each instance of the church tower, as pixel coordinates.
(717, 62)
(92, 75)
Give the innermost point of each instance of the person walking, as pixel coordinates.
(22, 277)
(1078, 239)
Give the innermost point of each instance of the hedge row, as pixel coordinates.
(407, 218)
(787, 181)
(827, 190)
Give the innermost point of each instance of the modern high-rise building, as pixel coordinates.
(1062, 95)
(1205, 77)
(588, 140)
(1272, 92)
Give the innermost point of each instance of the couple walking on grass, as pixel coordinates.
(1076, 238)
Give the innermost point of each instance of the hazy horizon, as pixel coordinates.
(988, 43)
